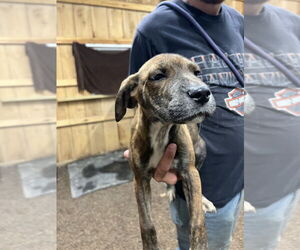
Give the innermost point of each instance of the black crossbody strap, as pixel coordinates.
(210, 42)
(279, 65)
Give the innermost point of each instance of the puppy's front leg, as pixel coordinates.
(143, 197)
(193, 195)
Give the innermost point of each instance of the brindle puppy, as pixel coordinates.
(170, 101)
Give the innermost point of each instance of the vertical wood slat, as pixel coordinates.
(115, 23)
(82, 21)
(41, 21)
(13, 20)
(111, 136)
(96, 130)
(65, 20)
(64, 142)
(124, 135)
(97, 138)
(67, 62)
(10, 112)
(100, 23)
(130, 22)
(15, 139)
(64, 71)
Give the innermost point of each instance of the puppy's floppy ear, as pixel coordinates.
(124, 99)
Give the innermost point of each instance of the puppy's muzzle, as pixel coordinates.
(199, 94)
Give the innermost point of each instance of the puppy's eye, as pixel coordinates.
(157, 77)
(197, 72)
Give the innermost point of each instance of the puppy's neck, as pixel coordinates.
(148, 121)
(159, 139)
(146, 115)
(157, 135)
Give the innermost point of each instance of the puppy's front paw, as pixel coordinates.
(248, 207)
(208, 206)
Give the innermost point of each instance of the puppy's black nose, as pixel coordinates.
(199, 94)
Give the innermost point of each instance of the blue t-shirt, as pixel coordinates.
(166, 31)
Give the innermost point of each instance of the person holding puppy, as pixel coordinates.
(165, 31)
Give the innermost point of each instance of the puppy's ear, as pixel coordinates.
(124, 99)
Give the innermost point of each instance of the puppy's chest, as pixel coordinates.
(160, 137)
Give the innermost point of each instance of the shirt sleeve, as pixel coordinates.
(142, 50)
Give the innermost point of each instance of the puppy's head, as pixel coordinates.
(167, 89)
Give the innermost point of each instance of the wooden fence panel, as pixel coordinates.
(89, 123)
(27, 122)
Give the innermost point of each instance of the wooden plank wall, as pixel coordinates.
(85, 122)
(27, 120)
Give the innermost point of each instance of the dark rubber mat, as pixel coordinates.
(98, 172)
(38, 177)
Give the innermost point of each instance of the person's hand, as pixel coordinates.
(163, 173)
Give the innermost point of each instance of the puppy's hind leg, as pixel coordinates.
(193, 195)
(143, 197)
(208, 206)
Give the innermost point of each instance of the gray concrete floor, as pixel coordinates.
(108, 219)
(25, 224)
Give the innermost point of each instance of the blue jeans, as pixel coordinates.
(219, 225)
(262, 230)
